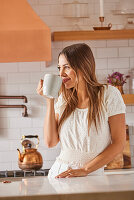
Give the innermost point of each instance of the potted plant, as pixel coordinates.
(118, 80)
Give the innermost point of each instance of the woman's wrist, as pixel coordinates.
(86, 169)
(50, 102)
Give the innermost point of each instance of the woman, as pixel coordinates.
(88, 118)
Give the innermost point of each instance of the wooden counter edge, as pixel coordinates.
(116, 195)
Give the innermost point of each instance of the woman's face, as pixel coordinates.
(67, 74)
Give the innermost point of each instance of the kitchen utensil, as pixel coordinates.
(51, 85)
(30, 158)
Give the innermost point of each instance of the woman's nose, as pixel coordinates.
(62, 72)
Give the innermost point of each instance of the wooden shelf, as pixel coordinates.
(128, 99)
(93, 35)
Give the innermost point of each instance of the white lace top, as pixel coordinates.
(77, 146)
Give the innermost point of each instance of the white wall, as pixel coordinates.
(22, 78)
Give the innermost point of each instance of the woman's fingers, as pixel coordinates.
(40, 87)
(72, 173)
(68, 173)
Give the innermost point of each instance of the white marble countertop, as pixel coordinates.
(116, 184)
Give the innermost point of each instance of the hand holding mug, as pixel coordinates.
(50, 86)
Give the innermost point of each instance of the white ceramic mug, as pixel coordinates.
(51, 85)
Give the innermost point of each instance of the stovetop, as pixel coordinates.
(21, 173)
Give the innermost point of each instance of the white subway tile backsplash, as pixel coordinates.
(119, 63)
(29, 66)
(132, 161)
(117, 43)
(57, 45)
(28, 89)
(38, 122)
(96, 43)
(131, 150)
(130, 127)
(16, 144)
(52, 69)
(132, 108)
(18, 78)
(15, 165)
(5, 145)
(70, 1)
(55, 54)
(3, 112)
(52, 20)
(20, 122)
(4, 122)
(43, 10)
(107, 8)
(9, 89)
(133, 129)
(102, 75)
(91, 9)
(130, 117)
(113, 1)
(128, 109)
(131, 42)
(56, 10)
(42, 2)
(11, 134)
(131, 139)
(3, 78)
(107, 52)
(132, 63)
(36, 111)
(101, 63)
(68, 43)
(5, 165)
(8, 67)
(36, 76)
(10, 112)
(47, 164)
(115, 19)
(50, 154)
(126, 52)
(14, 154)
(6, 156)
(72, 22)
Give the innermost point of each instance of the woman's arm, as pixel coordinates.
(51, 125)
(51, 136)
(118, 134)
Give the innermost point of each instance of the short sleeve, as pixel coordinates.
(114, 101)
(60, 105)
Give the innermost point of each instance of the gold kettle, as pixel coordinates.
(30, 158)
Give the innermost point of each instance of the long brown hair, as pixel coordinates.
(80, 57)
